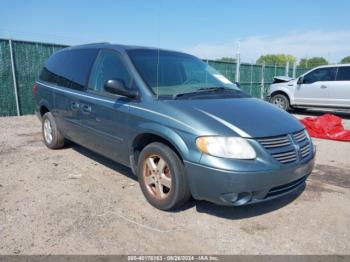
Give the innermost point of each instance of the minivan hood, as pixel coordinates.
(248, 117)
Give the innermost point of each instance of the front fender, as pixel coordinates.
(187, 151)
(288, 90)
(166, 133)
(183, 142)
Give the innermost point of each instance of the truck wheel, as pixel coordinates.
(53, 139)
(162, 177)
(281, 101)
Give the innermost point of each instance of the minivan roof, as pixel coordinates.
(112, 46)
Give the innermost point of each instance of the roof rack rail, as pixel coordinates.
(100, 43)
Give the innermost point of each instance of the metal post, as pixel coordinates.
(14, 77)
(251, 78)
(262, 81)
(287, 69)
(275, 69)
(238, 64)
(294, 69)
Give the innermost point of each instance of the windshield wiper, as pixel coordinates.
(203, 90)
(213, 88)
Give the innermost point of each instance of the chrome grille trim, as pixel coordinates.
(305, 150)
(286, 157)
(300, 136)
(274, 141)
(288, 148)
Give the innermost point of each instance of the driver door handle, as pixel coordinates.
(86, 109)
(323, 86)
(74, 105)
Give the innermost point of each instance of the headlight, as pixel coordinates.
(226, 147)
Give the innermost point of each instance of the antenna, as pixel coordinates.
(158, 74)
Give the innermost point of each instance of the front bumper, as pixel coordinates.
(232, 188)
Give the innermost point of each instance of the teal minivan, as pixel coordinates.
(182, 127)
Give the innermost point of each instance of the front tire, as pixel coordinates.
(162, 177)
(281, 101)
(53, 139)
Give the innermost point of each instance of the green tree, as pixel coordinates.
(303, 63)
(276, 59)
(312, 62)
(345, 60)
(227, 59)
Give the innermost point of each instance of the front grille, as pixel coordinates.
(272, 142)
(288, 148)
(285, 157)
(305, 150)
(300, 136)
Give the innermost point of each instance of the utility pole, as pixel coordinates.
(287, 69)
(294, 69)
(238, 63)
(262, 85)
(14, 77)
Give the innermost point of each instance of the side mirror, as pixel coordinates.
(300, 80)
(117, 86)
(238, 84)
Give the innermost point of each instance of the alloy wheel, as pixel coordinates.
(157, 177)
(280, 102)
(47, 131)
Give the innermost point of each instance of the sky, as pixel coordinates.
(206, 28)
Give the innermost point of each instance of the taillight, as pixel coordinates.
(34, 89)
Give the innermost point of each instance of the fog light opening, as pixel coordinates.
(242, 198)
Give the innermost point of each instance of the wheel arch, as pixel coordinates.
(156, 133)
(280, 92)
(43, 107)
(43, 110)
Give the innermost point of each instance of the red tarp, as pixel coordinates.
(327, 126)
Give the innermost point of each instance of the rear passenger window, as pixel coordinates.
(69, 68)
(343, 73)
(321, 74)
(108, 66)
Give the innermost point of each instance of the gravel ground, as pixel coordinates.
(73, 201)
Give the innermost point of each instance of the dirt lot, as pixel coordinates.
(73, 201)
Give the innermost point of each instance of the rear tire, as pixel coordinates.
(162, 177)
(53, 139)
(281, 101)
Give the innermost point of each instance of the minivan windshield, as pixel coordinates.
(177, 75)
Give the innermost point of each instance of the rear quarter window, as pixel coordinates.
(343, 73)
(69, 68)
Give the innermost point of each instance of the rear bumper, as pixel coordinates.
(225, 187)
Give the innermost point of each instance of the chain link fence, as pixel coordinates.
(20, 65)
(21, 62)
(254, 78)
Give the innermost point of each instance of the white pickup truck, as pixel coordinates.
(324, 86)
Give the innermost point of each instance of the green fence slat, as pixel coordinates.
(7, 95)
(29, 60)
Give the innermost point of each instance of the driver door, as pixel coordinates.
(314, 89)
(105, 115)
